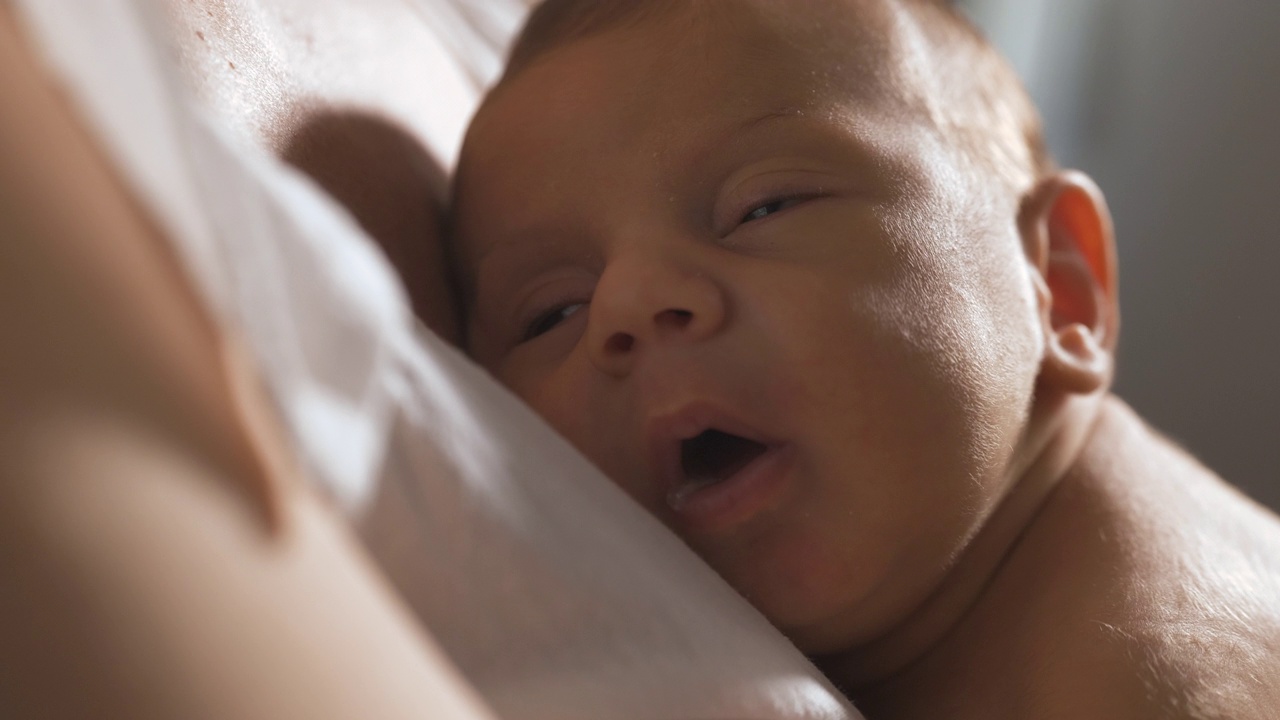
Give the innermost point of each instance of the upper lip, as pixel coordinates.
(667, 431)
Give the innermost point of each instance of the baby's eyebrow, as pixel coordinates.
(526, 250)
(725, 134)
(788, 112)
(728, 133)
(519, 255)
(521, 241)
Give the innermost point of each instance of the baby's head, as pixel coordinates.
(797, 275)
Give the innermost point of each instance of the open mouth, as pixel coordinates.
(716, 470)
(714, 456)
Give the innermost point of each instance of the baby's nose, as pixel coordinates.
(640, 306)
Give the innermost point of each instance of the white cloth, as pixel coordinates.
(556, 596)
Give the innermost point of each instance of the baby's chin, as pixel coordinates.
(822, 596)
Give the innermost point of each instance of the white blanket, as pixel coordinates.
(555, 595)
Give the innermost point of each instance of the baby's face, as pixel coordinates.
(737, 265)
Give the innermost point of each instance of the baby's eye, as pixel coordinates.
(548, 320)
(768, 209)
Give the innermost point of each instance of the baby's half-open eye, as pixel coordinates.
(547, 321)
(763, 211)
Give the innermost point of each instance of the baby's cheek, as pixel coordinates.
(973, 342)
(585, 417)
(556, 401)
(941, 401)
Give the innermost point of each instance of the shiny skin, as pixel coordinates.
(771, 212)
(876, 320)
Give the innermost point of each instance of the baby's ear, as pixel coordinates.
(1070, 244)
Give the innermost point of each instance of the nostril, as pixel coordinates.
(619, 343)
(674, 318)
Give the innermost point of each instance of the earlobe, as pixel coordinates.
(1075, 361)
(1070, 245)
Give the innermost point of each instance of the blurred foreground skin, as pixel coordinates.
(161, 556)
(765, 219)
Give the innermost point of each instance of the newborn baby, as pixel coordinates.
(801, 278)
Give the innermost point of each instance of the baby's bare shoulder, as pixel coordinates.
(1193, 569)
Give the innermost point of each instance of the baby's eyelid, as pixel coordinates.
(770, 207)
(532, 310)
(782, 190)
(549, 319)
(765, 206)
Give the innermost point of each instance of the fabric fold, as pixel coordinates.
(554, 593)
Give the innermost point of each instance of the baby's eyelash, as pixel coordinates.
(765, 210)
(760, 210)
(547, 321)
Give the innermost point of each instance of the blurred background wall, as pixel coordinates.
(1173, 106)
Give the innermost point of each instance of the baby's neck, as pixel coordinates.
(1066, 432)
(1119, 579)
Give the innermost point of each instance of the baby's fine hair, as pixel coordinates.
(982, 101)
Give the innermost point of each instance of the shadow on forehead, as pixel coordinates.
(972, 93)
(556, 23)
(559, 22)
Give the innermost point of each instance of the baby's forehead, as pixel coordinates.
(559, 23)
(870, 63)
(699, 58)
(856, 48)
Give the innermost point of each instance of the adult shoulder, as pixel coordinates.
(160, 557)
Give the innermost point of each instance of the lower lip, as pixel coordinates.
(737, 498)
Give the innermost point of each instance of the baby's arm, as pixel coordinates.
(159, 557)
